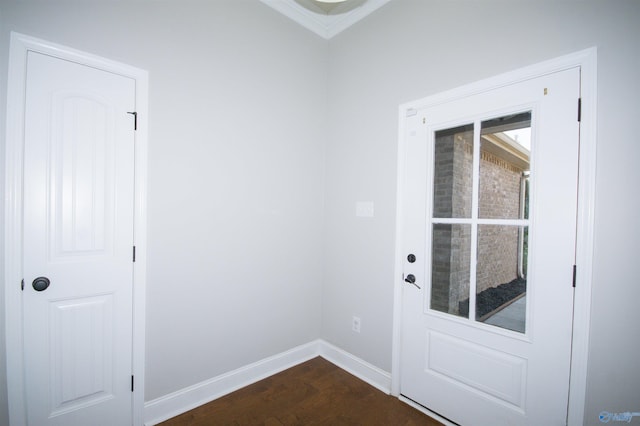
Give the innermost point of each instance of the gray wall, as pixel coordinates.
(242, 134)
(236, 166)
(410, 49)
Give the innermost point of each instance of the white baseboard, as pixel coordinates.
(361, 369)
(175, 403)
(186, 399)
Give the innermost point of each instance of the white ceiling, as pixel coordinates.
(325, 19)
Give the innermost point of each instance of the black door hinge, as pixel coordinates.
(579, 110)
(574, 276)
(135, 119)
(22, 285)
(134, 253)
(132, 383)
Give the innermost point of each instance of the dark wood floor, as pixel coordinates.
(313, 393)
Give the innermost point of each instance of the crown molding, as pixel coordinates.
(324, 25)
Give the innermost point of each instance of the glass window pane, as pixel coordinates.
(450, 268)
(501, 276)
(505, 147)
(453, 172)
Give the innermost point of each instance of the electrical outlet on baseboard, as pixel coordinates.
(355, 324)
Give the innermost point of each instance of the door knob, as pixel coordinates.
(411, 279)
(41, 283)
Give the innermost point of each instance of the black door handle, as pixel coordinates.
(411, 279)
(41, 283)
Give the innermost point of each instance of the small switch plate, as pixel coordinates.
(364, 209)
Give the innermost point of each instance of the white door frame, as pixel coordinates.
(20, 46)
(587, 61)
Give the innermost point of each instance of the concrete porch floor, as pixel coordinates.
(511, 317)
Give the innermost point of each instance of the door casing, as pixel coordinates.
(19, 47)
(587, 61)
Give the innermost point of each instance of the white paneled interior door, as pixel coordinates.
(489, 247)
(78, 243)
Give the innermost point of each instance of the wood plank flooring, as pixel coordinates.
(313, 393)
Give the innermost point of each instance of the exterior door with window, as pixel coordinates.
(490, 214)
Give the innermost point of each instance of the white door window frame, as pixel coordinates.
(20, 45)
(587, 61)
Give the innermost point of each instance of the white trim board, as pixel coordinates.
(183, 400)
(587, 61)
(366, 372)
(19, 47)
(324, 25)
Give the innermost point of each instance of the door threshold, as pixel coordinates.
(425, 410)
